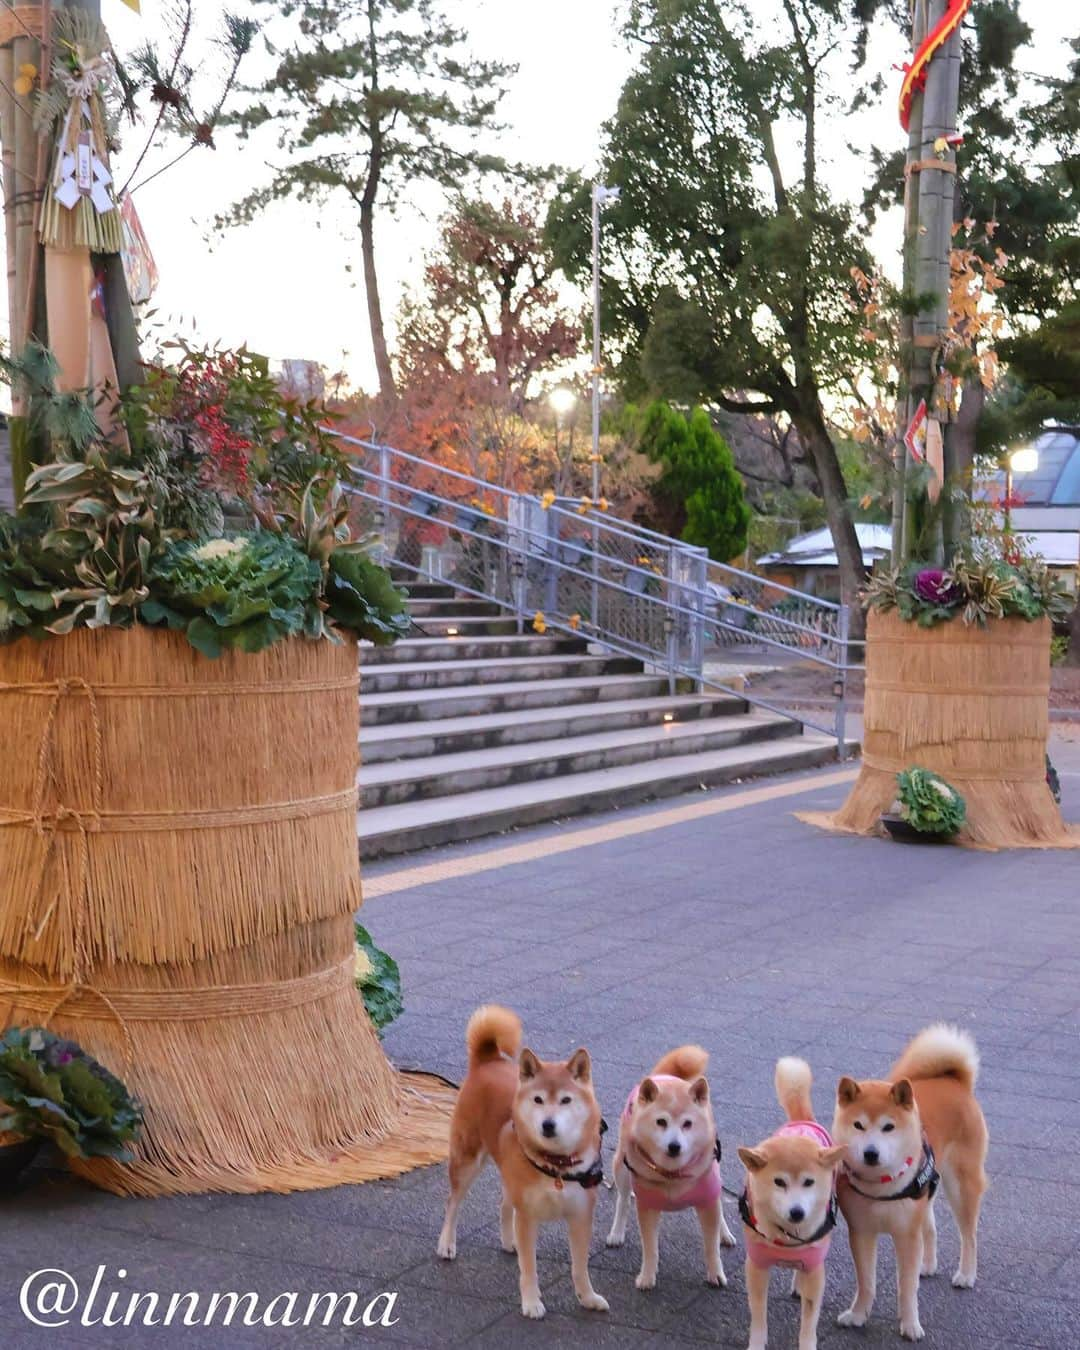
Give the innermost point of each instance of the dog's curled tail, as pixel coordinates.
(492, 1031)
(687, 1062)
(793, 1081)
(940, 1051)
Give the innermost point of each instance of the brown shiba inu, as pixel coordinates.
(669, 1156)
(789, 1206)
(892, 1134)
(541, 1124)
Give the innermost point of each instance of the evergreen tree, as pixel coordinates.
(368, 97)
(727, 265)
(698, 494)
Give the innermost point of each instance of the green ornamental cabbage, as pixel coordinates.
(245, 592)
(361, 597)
(52, 1088)
(929, 804)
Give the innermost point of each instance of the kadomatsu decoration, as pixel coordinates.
(79, 208)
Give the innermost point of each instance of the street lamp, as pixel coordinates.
(1024, 460)
(600, 196)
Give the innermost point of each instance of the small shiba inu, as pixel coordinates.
(669, 1156)
(788, 1207)
(893, 1133)
(541, 1124)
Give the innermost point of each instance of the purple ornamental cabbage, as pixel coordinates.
(936, 587)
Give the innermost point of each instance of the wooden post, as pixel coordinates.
(930, 192)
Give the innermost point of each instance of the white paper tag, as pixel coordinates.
(101, 173)
(84, 158)
(101, 199)
(67, 194)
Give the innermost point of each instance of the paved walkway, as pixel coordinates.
(732, 924)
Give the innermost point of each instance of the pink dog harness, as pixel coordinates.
(706, 1191)
(765, 1252)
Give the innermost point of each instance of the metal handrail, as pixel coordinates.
(594, 584)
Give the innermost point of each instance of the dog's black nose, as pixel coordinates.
(871, 1156)
(797, 1214)
(674, 1149)
(549, 1129)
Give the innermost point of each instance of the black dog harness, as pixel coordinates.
(587, 1178)
(924, 1182)
(828, 1223)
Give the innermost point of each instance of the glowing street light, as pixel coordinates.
(1023, 460)
(562, 400)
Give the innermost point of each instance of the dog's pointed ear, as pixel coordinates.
(580, 1066)
(648, 1091)
(753, 1159)
(830, 1157)
(528, 1064)
(699, 1091)
(902, 1094)
(846, 1091)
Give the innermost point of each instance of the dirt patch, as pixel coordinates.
(809, 686)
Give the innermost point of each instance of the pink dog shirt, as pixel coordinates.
(706, 1191)
(763, 1252)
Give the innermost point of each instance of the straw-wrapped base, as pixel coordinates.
(970, 704)
(177, 881)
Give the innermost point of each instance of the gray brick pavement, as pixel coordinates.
(749, 932)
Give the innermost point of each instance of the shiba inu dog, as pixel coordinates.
(669, 1157)
(895, 1134)
(788, 1206)
(541, 1124)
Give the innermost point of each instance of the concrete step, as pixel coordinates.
(395, 741)
(478, 647)
(459, 606)
(378, 679)
(461, 626)
(472, 771)
(389, 830)
(423, 590)
(395, 708)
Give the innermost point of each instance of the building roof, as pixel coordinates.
(1056, 482)
(816, 548)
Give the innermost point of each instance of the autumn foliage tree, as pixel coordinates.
(476, 341)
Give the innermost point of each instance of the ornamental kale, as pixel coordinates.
(929, 803)
(378, 980)
(245, 592)
(362, 598)
(974, 590)
(52, 1088)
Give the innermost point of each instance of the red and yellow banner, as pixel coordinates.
(915, 74)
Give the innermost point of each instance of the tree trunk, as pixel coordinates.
(960, 444)
(374, 305)
(814, 434)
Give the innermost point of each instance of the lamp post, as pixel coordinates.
(600, 195)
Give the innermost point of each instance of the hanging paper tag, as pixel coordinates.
(84, 164)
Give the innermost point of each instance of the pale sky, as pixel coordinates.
(283, 284)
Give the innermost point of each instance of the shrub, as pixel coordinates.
(699, 494)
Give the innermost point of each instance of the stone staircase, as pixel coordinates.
(469, 729)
